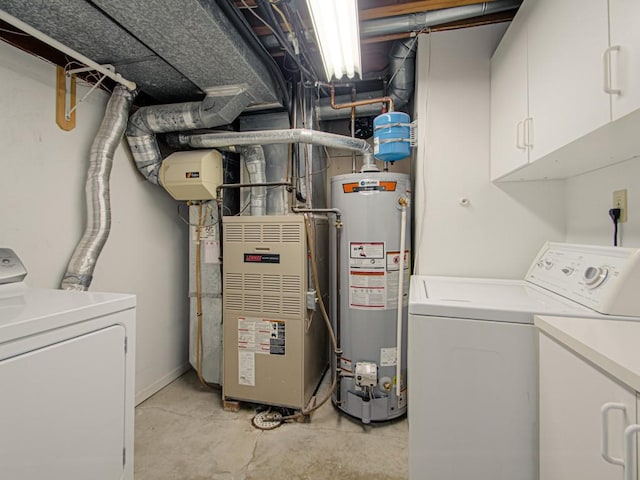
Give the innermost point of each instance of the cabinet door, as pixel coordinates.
(572, 393)
(509, 101)
(625, 61)
(566, 42)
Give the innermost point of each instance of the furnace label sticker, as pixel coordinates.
(277, 344)
(254, 335)
(246, 368)
(211, 251)
(259, 335)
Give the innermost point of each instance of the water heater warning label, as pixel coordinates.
(367, 272)
(374, 274)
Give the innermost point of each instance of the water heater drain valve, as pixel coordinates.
(366, 374)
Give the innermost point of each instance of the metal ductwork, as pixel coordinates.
(403, 53)
(253, 157)
(79, 272)
(272, 137)
(174, 51)
(416, 22)
(147, 121)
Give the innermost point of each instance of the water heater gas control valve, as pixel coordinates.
(366, 374)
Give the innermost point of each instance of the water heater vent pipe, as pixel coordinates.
(273, 137)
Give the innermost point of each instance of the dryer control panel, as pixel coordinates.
(11, 268)
(601, 278)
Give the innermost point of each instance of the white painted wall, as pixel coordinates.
(589, 198)
(42, 176)
(504, 226)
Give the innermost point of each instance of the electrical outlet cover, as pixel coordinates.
(620, 201)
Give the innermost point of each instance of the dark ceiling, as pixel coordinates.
(374, 49)
(176, 56)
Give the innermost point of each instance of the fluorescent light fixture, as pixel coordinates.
(336, 25)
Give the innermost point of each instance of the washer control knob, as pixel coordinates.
(595, 276)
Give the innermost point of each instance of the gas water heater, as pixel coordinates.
(370, 289)
(373, 266)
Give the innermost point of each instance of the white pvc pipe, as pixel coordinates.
(403, 234)
(64, 49)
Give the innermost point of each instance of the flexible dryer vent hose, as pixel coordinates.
(79, 272)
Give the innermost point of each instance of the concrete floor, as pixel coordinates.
(183, 433)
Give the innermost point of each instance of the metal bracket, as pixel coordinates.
(69, 74)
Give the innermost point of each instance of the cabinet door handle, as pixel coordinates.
(520, 146)
(604, 442)
(528, 132)
(630, 467)
(606, 58)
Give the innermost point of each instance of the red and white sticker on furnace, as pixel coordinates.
(367, 272)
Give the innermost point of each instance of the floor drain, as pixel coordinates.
(267, 420)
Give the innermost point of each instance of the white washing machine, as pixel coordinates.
(472, 357)
(66, 381)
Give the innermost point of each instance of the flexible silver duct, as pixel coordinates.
(271, 137)
(253, 157)
(79, 272)
(214, 110)
(403, 52)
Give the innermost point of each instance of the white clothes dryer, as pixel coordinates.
(472, 357)
(66, 381)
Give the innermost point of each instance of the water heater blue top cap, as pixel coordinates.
(391, 136)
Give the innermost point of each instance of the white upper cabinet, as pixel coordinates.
(579, 77)
(509, 109)
(566, 43)
(624, 56)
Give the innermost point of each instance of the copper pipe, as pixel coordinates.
(359, 103)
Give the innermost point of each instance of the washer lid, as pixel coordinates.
(514, 301)
(26, 311)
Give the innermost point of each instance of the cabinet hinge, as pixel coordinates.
(124, 457)
(126, 345)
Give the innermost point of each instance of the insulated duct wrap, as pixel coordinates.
(271, 137)
(79, 272)
(147, 121)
